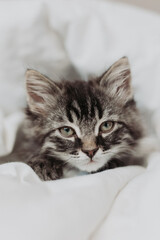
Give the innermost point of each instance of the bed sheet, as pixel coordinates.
(57, 37)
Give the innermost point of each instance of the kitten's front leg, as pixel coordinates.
(46, 170)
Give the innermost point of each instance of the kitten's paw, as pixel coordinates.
(44, 170)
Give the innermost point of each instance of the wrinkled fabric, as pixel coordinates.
(55, 38)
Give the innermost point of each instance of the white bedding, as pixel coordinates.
(49, 36)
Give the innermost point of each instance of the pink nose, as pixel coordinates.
(90, 153)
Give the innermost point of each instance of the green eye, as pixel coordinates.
(66, 132)
(106, 127)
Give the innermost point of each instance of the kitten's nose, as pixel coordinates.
(90, 153)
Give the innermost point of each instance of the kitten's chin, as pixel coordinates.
(92, 166)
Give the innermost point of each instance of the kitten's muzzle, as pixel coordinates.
(90, 153)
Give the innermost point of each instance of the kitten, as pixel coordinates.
(78, 125)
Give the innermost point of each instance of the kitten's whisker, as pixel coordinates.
(108, 152)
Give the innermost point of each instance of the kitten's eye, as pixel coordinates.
(67, 132)
(106, 127)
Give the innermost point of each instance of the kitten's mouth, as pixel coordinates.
(91, 161)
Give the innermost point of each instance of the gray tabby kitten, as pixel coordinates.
(78, 125)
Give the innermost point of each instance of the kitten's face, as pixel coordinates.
(86, 124)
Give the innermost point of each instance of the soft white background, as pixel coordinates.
(147, 4)
(89, 35)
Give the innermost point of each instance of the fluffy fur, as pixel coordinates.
(82, 106)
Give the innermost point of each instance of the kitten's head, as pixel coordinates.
(85, 124)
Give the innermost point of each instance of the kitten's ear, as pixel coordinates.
(117, 80)
(41, 92)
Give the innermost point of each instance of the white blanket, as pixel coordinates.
(123, 203)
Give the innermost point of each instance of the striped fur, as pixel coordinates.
(83, 106)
